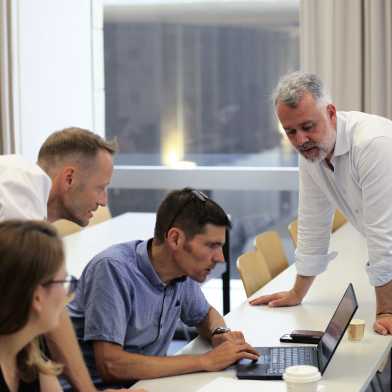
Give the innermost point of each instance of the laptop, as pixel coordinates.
(274, 360)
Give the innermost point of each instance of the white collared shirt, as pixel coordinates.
(24, 189)
(360, 186)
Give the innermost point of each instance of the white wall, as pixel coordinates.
(52, 69)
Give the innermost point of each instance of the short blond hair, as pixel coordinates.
(73, 141)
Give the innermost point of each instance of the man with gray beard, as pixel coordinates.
(346, 163)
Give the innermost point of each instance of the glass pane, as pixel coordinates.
(188, 93)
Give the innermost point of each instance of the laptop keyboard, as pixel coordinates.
(283, 357)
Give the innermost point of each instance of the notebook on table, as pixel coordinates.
(274, 360)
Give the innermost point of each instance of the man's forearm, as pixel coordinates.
(64, 348)
(128, 366)
(210, 323)
(384, 299)
(302, 285)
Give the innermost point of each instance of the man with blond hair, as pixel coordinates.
(69, 181)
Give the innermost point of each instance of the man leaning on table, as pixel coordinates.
(345, 162)
(131, 296)
(68, 182)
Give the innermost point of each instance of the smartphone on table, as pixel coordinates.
(302, 336)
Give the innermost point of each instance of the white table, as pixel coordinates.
(82, 246)
(353, 365)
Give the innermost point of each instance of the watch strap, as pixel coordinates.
(220, 330)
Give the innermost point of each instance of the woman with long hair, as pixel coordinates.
(33, 293)
(34, 288)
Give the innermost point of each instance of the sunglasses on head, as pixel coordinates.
(193, 194)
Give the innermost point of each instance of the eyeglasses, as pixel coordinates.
(198, 194)
(69, 283)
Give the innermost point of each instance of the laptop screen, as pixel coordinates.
(336, 327)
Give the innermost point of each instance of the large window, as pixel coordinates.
(188, 84)
(183, 89)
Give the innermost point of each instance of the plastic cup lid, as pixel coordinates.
(357, 322)
(301, 374)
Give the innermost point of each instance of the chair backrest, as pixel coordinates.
(293, 231)
(253, 271)
(66, 227)
(271, 246)
(338, 221)
(100, 215)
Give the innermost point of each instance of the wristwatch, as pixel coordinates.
(220, 330)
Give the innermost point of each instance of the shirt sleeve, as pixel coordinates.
(315, 214)
(107, 302)
(23, 196)
(375, 180)
(194, 307)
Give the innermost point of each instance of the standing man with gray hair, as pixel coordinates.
(345, 162)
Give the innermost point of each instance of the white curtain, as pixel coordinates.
(378, 57)
(349, 44)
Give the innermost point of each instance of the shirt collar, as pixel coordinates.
(146, 267)
(342, 145)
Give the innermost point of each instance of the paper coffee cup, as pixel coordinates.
(301, 378)
(356, 330)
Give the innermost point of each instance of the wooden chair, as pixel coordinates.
(271, 246)
(338, 221)
(66, 227)
(102, 214)
(293, 231)
(254, 271)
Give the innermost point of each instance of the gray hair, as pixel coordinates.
(291, 88)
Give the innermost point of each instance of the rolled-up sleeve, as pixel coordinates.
(312, 265)
(107, 302)
(23, 195)
(194, 305)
